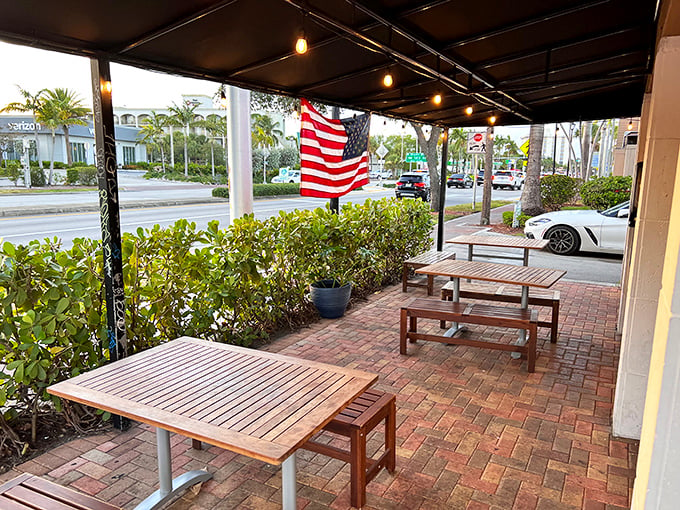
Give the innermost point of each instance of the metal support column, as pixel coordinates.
(239, 153)
(334, 203)
(442, 190)
(289, 483)
(107, 175)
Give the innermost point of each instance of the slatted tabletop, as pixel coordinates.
(501, 241)
(429, 257)
(491, 272)
(254, 403)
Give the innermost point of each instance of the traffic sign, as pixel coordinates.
(382, 151)
(476, 144)
(525, 148)
(415, 157)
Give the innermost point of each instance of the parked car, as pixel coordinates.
(287, 176)
(415, 185)
(507, 179)
(480, 177)
(570, 231)
(380, 174)
(459, 181)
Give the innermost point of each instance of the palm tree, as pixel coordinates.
(31, 104)
(183, 116)
(71, 112)
(49, 116)
(216, 128)
(153, 132)
(265, 131)
(458, 145)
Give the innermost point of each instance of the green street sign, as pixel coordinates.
(415, 157)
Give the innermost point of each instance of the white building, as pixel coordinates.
(14, 129)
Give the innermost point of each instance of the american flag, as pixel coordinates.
(333, 153)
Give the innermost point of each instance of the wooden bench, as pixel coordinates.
(516, 318)
(511, 294)
(30, 492)
(355, 422)
(422, 260)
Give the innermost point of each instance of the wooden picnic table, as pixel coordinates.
(254, 403)
(500, 241)
(492, 272)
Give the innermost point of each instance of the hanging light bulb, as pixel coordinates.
(492, 119)
(437, 99)
(388, 79)
(301, 44)
(468, 111)
(223, 98)
(630, 124)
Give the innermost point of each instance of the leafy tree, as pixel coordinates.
(216, 128)
(458, 147)
(531, 196)
(265, 132)
(183, 116)
(71, 112)
(153, 132)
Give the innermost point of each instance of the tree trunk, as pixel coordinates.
(186, 157)
(429, 148)
(69, 156)
(37, 144)
(488, 172)
(531, 196)
(212, 159)
(49, 181)
(172, 150)
(160, 146)
(585, 150)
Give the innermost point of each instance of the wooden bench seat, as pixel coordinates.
(422, 260)
(511, 294)
(30, 492)
(365, 412)
(488, 315)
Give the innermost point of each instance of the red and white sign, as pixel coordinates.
(476, 143)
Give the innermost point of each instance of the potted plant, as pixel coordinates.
(331, 288)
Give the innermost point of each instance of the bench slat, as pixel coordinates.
(35, 493)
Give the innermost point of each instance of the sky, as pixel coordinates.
(35, 69)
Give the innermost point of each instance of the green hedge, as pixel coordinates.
(605, 192)
(507, 219)
(264, 190)
(557, 190)
(234, 285)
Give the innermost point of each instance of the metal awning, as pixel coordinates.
(531, 61)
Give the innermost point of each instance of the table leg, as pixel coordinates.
(522, 337)
(169, 488)
(289, 484)
(455, 327)
(471, 248)
(526, 257)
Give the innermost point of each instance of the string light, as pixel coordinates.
(630, 124)
(223, 98)
(106, 86)
(437, 99)
(492, 119)
(468, 111)
(301, 45)
(388, 79)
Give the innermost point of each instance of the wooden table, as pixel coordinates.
(501, 242)
(251, 402)
(491, 272)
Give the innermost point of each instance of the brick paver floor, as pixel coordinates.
(475, 430)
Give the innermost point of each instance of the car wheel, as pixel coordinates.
(564, 240)
(495, 187)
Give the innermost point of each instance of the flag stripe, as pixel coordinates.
(324, 144)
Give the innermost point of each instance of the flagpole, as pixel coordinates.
(335, 202)
(442, 190)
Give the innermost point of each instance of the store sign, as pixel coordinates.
(24, 126)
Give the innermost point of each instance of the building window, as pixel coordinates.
(78, 152)
(128, 155)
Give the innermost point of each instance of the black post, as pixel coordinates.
(335, 202)
(107, 175)
(554, 148)
(442, 190)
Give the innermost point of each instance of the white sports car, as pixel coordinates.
(585, 230)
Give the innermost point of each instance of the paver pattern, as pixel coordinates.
(474, 430)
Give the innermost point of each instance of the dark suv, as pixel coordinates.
(415, 185)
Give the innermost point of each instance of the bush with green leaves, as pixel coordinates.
(605, 192)
(72, 176)
(557, 190)
(87, 175)
(13, 171)
(522, 219)
(264, 190)
(235, 285)
(38, 179)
